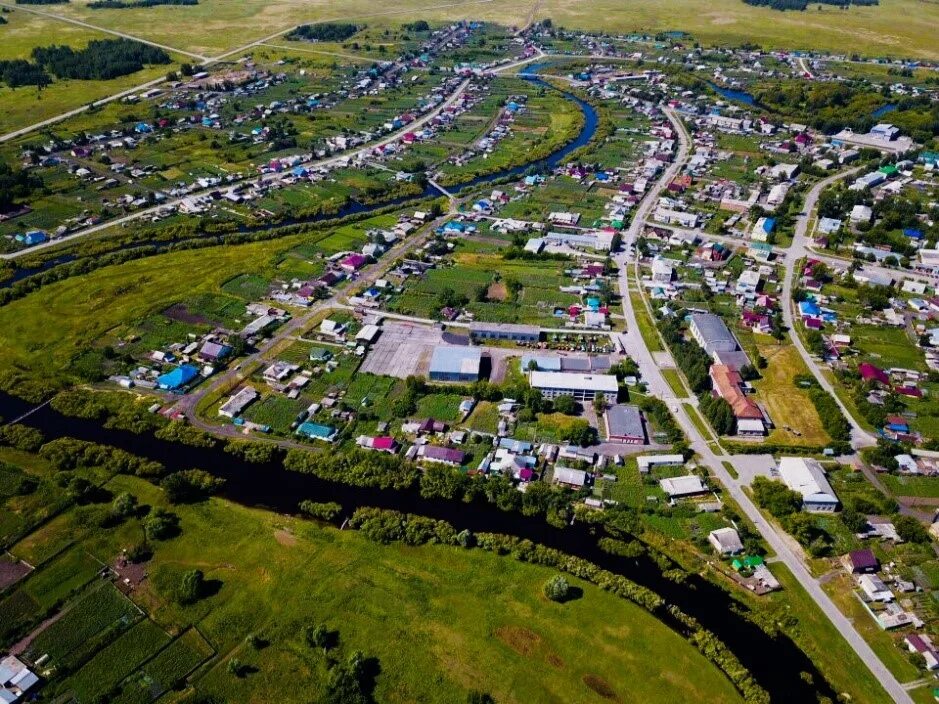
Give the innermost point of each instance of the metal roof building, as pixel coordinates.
(806, 476)
(582, 387)
(711, 333)
(455, 363)
(624, 424)
(505, 331)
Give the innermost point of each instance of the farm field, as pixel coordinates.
(492, 606)
(215, 25)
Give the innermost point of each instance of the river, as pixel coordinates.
(776, 663)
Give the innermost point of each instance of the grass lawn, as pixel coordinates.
(816, 635)
(797, 422)
(926, 487)
(549, 427)
(646, 326)
(439, 620)
(887, 347)
(445, 407)
(673, 377)
(484, 418)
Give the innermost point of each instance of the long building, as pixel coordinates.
(710, 332)
(624, 424)
(806, 476)
(727, 383)
(583, 387)
(505, 331)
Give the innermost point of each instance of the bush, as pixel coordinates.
(557, 588)
(191, 587)
(321, 511)
(22, 437)
(190, 486)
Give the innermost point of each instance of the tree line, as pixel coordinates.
(102, 59)
(124, 4)
(326, 32)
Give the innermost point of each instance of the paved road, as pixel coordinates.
(797, 251)
(314, 163)
(780, 543)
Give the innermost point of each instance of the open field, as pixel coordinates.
(459, 619)
(795, 417)
(213, 26)
(26, 105)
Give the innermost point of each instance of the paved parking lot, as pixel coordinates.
(752, 466)
(402, 350)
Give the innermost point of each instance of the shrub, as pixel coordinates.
(557, 588)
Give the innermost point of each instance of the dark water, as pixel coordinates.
(883, 110)
(356, 208)
(740, 96)
(776, 663)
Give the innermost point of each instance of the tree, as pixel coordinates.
(235, 667)
(910, 529)
(22, 437)
(319, 636)
(854, 521)
(476, 697)
(328, 511)
(348, 682)
(124, 506)
(557, 588)
(776, 497)
(599, 402)
(160, 524)
(565, 404)
(191, 587)
(190, 485)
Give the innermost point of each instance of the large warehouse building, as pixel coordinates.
(455, 363)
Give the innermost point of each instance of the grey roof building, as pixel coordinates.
(624, 424)
(505, 331)
(455, 363)
(711, 333)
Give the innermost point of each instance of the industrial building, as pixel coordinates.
(505, 331)
(455, 363)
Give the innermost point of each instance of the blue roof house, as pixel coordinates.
(178, 378)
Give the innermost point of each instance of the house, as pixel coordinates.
(238, 402)
(441, 455)
(923, 645)
(681, 487)
(861, 213)
(353, 262)
(624, 424)
(861, 562)
(807, 477)
(869, 372)
(874, 588)
(331, 327)
(726, 541)
(727, 384)
(15, 680)
(316, 431)
(214, 352)
(178, 377)
(763, 229)
(572, 478)
(583, 387)
(455, 363)
(383, 443)
(662, 271)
